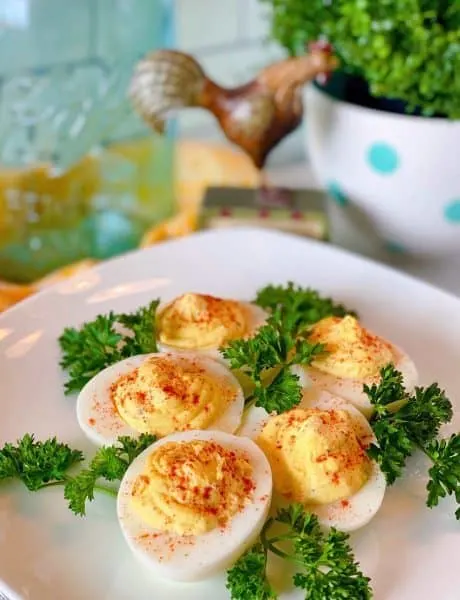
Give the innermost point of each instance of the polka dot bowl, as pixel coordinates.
(401, 171)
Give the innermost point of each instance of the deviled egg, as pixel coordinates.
(354, 357)
(318, 457)
(160, 394)
(205, 323)
(193, 502)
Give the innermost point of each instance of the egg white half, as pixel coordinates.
(193, 558)
(357, 510)
(352, 389)
(102, 423)
(255, 318)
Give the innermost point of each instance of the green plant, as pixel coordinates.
(405, 49)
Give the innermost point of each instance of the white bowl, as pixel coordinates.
(401, 171)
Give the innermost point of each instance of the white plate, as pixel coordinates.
(46, 553)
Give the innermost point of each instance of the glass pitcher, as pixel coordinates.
(80, 174)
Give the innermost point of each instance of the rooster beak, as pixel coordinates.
(324, 48)
(320, 46)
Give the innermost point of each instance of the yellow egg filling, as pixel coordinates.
(352, 351)
(315, 455)
(171, 393)
(200, 321)
(189, 488)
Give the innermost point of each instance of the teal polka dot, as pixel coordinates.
(395, 247)
(335, 192)
(383, 158)
(452, 212)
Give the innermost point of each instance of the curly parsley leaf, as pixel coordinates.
(99, 343)
(445, 471)
(403, 423)
(247, 579)
(299, 520)
(130, 448)
(267, 359)
(266, 350)
(305, 352)
(330, 569)
(37, 464)
(326, 567)
(109, 463)
(389, 390)
(393, 448)
(281, 395)
(415, 421)
(301, 307)
(42, 464)
(89, 350)
(425, 412)
(142, 325)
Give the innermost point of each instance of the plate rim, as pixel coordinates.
(221, 236)
(230, 232)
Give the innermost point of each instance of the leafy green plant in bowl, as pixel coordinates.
(381, 132)
(408, 50)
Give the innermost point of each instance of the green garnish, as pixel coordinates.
(109, 463)
(326, 567)
(88, 350)
(37, 464)
(99, 344)
(267, 359)
(142, 324)
(247, 579)
(300, 307)
(445, 472)
(414, 423)
(43, 464)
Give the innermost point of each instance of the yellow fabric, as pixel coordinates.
(198, 165)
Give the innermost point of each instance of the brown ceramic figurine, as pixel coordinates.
(255, 116)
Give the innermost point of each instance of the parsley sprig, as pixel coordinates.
(109, 463)
(267, 359)
(37, 464)
(42, 464)
(247, 579)
(100, 343)
(326, 567)
(403, 423)
(110, 338)
(301, 307)
(445, 471)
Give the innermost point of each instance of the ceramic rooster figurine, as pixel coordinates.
(255, 116)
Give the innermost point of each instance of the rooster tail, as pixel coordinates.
(165, 80)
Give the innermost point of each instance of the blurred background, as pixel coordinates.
(88, 171)
(81, 174)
